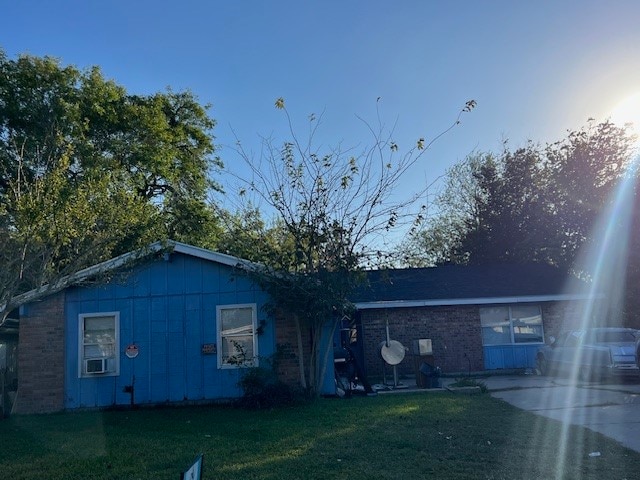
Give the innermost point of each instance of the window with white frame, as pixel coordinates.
(511, 324)
(98, 344)
(237, 341)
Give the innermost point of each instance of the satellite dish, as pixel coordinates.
(392, 352)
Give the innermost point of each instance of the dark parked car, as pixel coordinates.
(592, 353)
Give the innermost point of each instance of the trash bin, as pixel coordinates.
(422, 353)
(430, 375)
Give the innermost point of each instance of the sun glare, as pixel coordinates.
(628, 111)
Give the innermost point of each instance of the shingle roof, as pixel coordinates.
(124, 260)
(459, 283)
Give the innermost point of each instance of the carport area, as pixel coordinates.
(611, 408)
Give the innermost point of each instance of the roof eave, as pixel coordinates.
(126, 258)
(443, 302)
(212, 256)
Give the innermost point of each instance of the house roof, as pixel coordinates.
(392, 288)
(209, 255)
(459, 285)
(113, 264)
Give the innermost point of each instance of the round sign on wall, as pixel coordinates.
(131, 351)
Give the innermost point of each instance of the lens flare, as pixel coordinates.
(604, 261)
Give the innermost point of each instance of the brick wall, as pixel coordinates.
(41, 357)
(561, 316)
(454, 332)
(287, 344)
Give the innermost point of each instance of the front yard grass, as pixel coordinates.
(386, 437)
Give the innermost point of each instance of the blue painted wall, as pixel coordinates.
(510, 356)
(168, 309)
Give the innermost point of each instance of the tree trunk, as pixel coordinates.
(303, 377)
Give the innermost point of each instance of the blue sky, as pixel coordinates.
(536, 68)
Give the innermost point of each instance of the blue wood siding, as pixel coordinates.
(168, 309)
(498, 357)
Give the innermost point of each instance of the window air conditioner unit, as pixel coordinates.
(96, 365)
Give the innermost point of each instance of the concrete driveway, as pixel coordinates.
(612, 409)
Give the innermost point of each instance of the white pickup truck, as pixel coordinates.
(592, 353)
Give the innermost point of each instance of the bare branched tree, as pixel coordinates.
(338, 206)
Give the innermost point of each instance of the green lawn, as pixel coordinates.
(409, 436)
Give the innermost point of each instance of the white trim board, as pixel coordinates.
(471, 301)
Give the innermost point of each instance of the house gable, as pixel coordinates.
(166, 311)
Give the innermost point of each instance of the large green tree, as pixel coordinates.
(88, 170)
(457, 206)
(246, 234)
(584, 171)
(514, 219)
(529, 204)
(536, 204)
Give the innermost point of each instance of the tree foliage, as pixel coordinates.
(532, 204)
(90, 171)
(585, 168)
(457, 207)
(514, 216)
(246, 234)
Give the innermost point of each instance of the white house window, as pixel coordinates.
(513, 324)
(237, 340)
(98, 344)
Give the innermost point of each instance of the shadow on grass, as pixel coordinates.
(393, 436)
